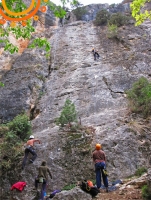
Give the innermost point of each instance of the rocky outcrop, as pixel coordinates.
(75, 194)
(92, 10)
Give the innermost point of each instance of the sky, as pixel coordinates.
(87, 2)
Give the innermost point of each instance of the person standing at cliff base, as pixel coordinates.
(42, 177)
(29, 148)
(99, 160)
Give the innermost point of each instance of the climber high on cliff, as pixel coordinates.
(95, 54)
(29, 148)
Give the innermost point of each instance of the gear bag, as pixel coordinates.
(91, 190)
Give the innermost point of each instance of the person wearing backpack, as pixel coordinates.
(29, 148)
(99, 160)
(42, 177)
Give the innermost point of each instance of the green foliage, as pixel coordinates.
(1, 84)
(68, 114)
(69, 187)
(102, 18)
(136, 7)
(41, 43)
(12, 136)
(140, 171)
(146, 194)
(79, 12)
(140, 97)
(25, 32)
(20, 126)
(118, 19)
(112, 31)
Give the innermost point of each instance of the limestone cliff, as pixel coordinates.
(40, 87)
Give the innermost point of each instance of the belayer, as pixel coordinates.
(29, 148)
(99, 160)
(42, 177)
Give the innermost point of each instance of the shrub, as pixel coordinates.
(1, 84)
(140, 97)
(79, 12)
(68, 115)
(21, 126)
(69, 187)
(146, 194)
(12, 137)
(118, 19)
(140, 171)
(112, 31)
(102, 18)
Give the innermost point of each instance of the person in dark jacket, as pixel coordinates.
(95, 54)
(99, 160)
(43, 172)
(30, 149)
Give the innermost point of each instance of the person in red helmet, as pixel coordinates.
(30, 149)
(99, 160)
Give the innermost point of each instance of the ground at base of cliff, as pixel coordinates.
(130, 193)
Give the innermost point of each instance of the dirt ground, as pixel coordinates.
(126, 194)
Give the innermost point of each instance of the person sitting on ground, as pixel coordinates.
(42, 177)
(99, 160)
(30, 149)
(95, 54)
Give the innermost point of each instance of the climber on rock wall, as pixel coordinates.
(95, 54)
(29, 148)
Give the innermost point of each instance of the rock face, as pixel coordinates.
(92, 10)
(97, 88)
(75, 194)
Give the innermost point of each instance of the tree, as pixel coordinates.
(140, 97)
(118, 19)
(68, 114)
(102, 17)
(15, 19)
(139, 16)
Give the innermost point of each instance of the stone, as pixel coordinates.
(75, 193)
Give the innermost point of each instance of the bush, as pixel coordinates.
(69, 187)
(102, 18)
(12, 137)
(112, 31)
(146, 193)
(21, 126)
(118, 19)
(140, 97)
(79, 12)
(68, 115)
(140, 171)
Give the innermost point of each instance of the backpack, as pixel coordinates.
(91, 190)
(53, 193)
